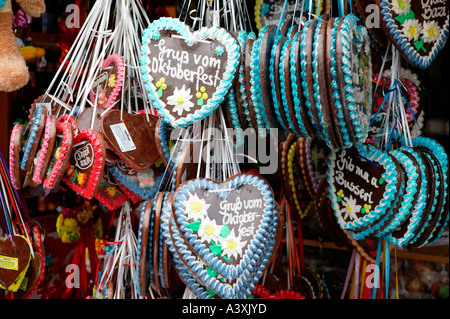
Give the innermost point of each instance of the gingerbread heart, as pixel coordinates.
(108, 83)
(418, 29)
(16, 141)
(187, 74)
(60, 155)
(227, 224)
(144, 183)
(87, 161)
(33, 133)
(45, 151)
(109, 192)
(132, 137)
(363, 186)
(15, 255)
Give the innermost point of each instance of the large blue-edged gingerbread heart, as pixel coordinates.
(187, 74)
(230, 227)
(418, 28)
(363, 187)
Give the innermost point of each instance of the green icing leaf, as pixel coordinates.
(226, 258)
(410, 15)
(194, 226)
(225, 231)
(401, 18)
(216, 249)
(211, 272)
(210, 292)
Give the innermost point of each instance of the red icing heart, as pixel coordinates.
(87, 161)
(109, 192)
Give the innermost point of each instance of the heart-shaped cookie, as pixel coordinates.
(363, 184)
(45, 151)
(187, 74)
(109, 192)
(144, 183)
(15, 255)
(131, 136)
(16, 141)
(228, 234)
(418, 29)
(60, 157)
(108, 83)
(87, 160)
(33, 133)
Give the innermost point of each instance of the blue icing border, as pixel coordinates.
(229, 271)
(232, 108)
(360, 124)
(373, 154)
(439, 152)
(227, 39)
(303, 63)
(276, 103)
(143, 193)
(282, 75)
(412, 173)
(37, 114)
(296, 92)
(335, 86)
(322, 132)
(419, 205)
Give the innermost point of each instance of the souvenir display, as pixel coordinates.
(206, 155)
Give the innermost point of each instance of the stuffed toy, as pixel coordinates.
(13, 69)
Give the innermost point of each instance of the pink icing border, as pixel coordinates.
(13, 163)
(43, 152)
(71, 120)
(66, 130)
(117, 59)
(92, 183)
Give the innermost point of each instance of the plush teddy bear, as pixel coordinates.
(13, 69)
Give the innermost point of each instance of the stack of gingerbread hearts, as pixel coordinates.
(399, 195)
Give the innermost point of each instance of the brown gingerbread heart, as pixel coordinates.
(15, 257)
(132, 137)
(87, 161)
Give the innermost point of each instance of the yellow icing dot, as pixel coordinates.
(231, 244)
(209, 229)
(202, 89)
(431, 32)
(180, 100)
(198, 95)
(196, 207)
(205, 96)
(164, 86)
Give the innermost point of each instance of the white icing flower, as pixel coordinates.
(412, 29)
(181, 100)
(430, 31)
(401, 6)
(350, 208)
(209, 230)
(232, 246)
(196, 208)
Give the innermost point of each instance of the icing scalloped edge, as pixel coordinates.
(422, 62)
(388, 196)
(33, 134)
(43, 151)
(223, 36)
(228, 271)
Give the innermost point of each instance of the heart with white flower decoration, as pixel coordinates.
(418, 28)
(187, 74)
(364, 185)
(230, 226)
